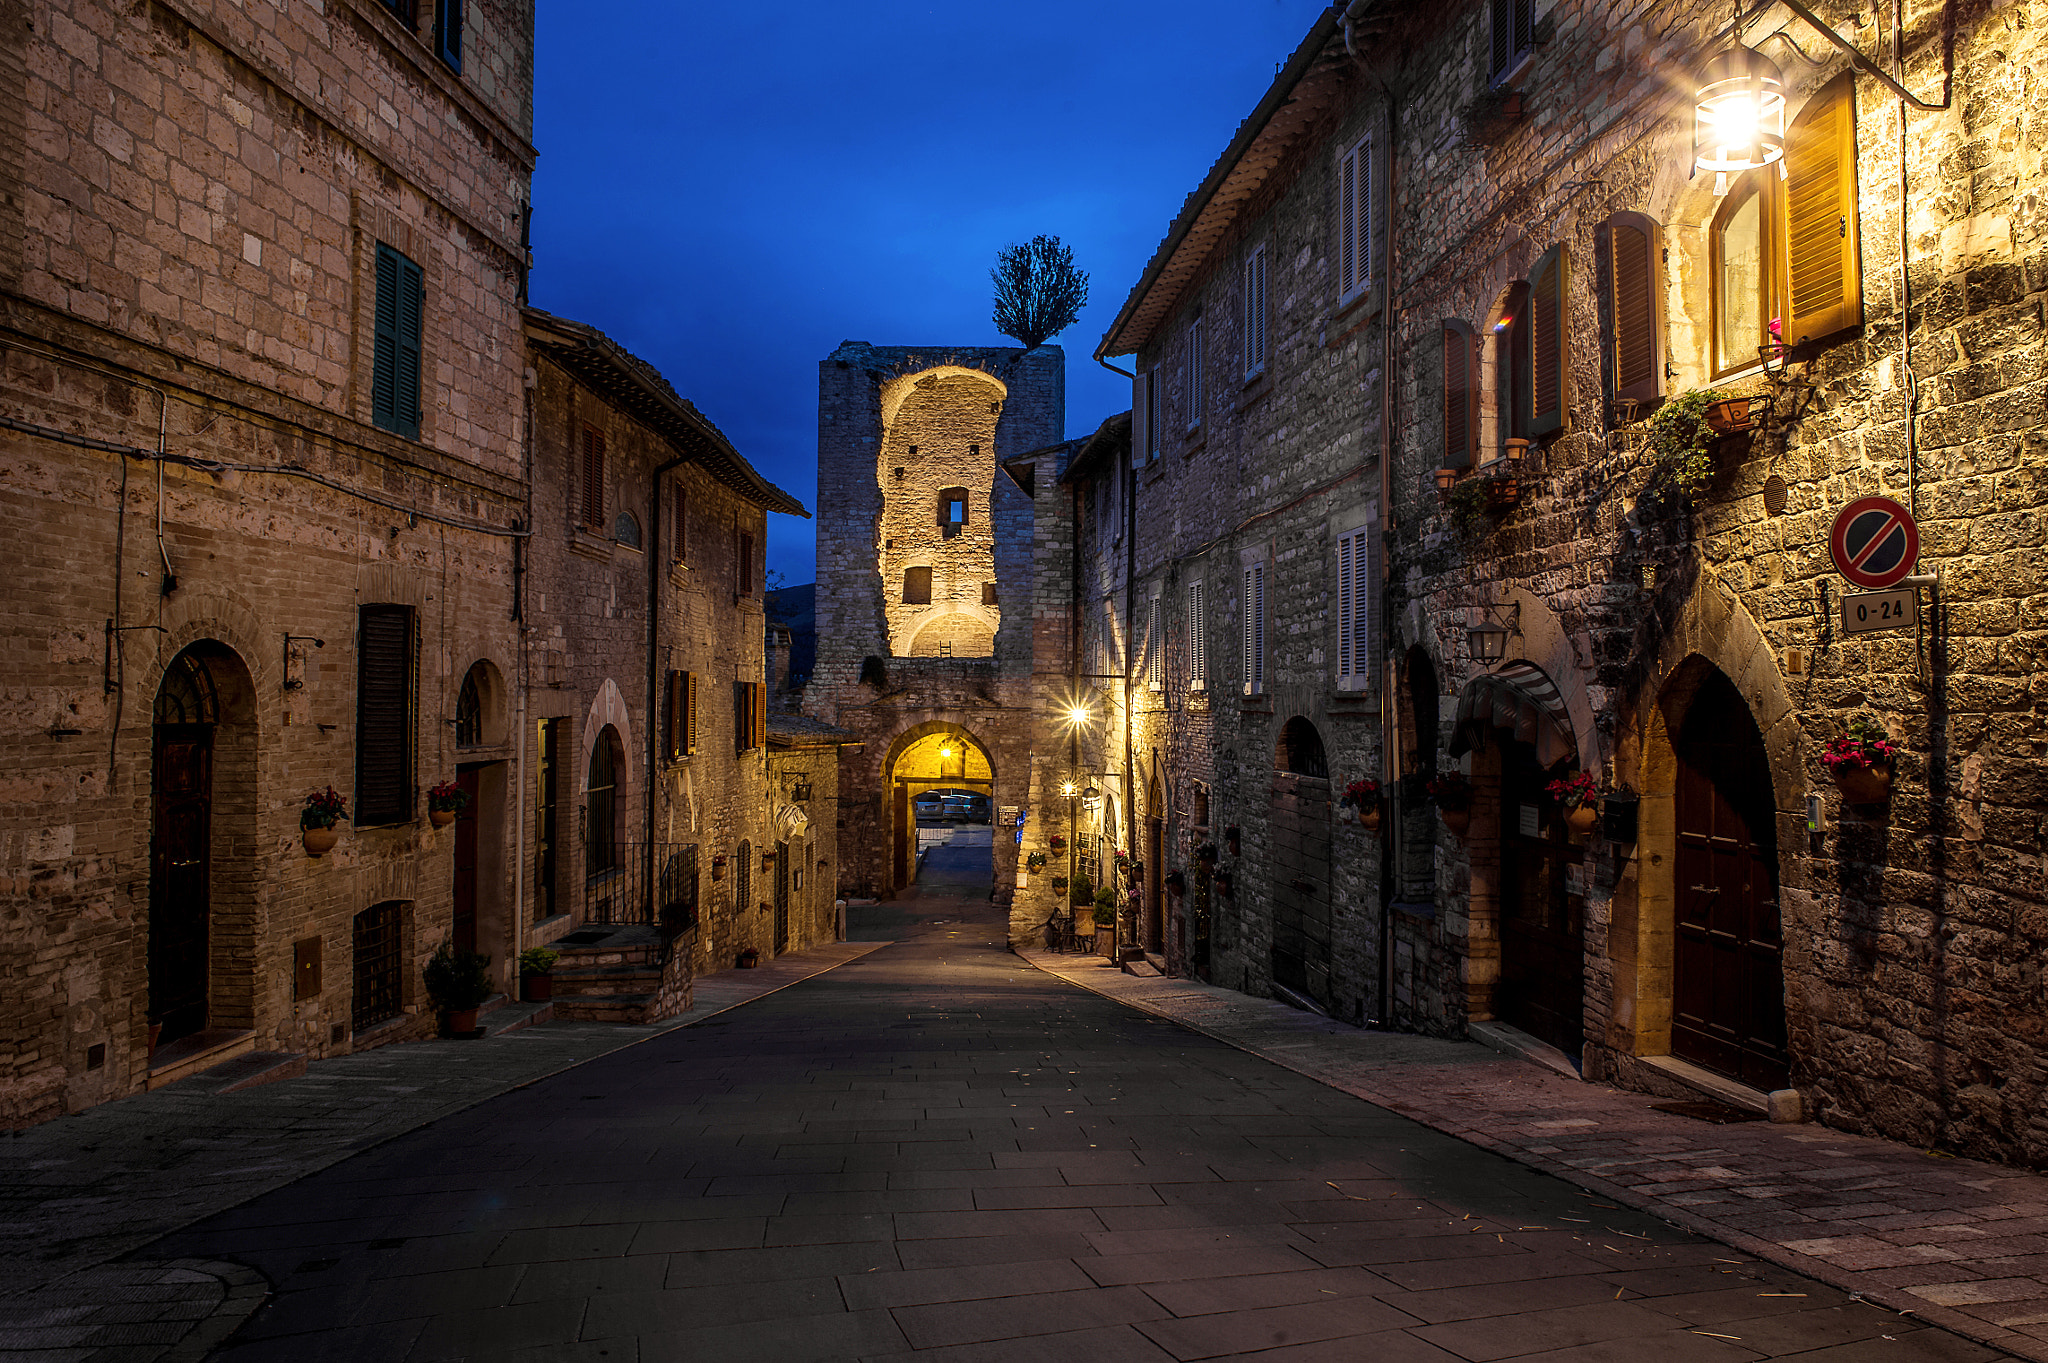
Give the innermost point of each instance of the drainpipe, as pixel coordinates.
(1389, 758)
(519, 912)
(654, 576)
(1130, 515)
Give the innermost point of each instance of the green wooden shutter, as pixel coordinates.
(1459, 427)
(412, 300)
(384, 354)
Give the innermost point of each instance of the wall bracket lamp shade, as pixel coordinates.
(1487, 636)
(1739, 115)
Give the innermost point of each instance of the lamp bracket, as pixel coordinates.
(1856, 57)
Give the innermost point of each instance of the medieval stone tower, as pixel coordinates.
(929, 461)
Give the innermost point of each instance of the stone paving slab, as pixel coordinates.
(1951, 1241)
(82, 1190)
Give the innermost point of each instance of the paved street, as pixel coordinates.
(940, 1151)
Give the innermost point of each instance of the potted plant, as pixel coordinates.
(1861, 762)
(1176, 881)
(1363, 795)
(1680, 437)
(1446, 479)
(1205, 855)
(1451, 793)
(1058, 842)
(1035, 862)
(1577, 794)
(535, 983)
(324, 808)
(444, 802)
(458, 982)
(1105, 906)
(1084, 890)
(1059, 884)
(749, 957)
(1470, 505)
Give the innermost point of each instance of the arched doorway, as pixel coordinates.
(1155, 864)
(603, 864)
(941, 785)
(1728, 1006)
(1300, 825)
(202, 763)
(1527, 900)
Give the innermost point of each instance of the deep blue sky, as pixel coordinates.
(732, 189)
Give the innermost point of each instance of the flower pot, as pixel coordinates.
(1581, 818)
(1864, 785)
(1369, 817)
(1457, 820)
(537, 988)
(749, 958)
(1731, 415)
(441, 818)
(1446, 479)
(319, 841)
(459, 1023)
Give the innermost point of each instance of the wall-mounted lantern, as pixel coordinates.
(1738, 115)
(1487, 636)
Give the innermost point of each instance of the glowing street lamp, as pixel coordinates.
(1738, 115)
(1069, 790)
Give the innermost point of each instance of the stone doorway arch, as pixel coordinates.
(938, 755)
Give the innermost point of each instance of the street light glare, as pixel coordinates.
(1077, 714)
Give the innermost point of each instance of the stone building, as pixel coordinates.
(932, 465)
(648, 701)
(260, 360)
(1455, 285)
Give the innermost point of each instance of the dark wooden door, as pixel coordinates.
(545, 822)
(180, 867)
(1542, 941)
(781, 897)
(1301, 884)
(1155, 882)
(465, 862)
(1729, 992)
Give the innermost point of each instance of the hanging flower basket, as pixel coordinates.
(1452, 795)
(1861, 762)
(323, 809)
(1578, 793)
(1457, 820)
(319, 841)
(1369, 818)
(1446, 479)
(1731, 416)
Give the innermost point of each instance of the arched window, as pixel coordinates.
(1300, 749)
(187, 695)
(469, 709)
(626, 530)
(601, 790)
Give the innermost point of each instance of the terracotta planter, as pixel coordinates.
(1446, 479)
(1864, 785)
(319, 841)
(1582, 819)
(749, 958)
(1731, 415)
(1369, 817)
(458, 1022)
(441, 818)
(1504, 491)
(537, 988)
(1457, 820)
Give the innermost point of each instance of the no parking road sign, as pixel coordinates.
(1875, 543)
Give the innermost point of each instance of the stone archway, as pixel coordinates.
(936, 756)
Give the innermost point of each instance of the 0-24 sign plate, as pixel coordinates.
(1871, 611)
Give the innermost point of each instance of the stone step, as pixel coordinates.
(513, 1016)
(616, 1008)
(190, 1055)
(250, 1069)
(599, 980)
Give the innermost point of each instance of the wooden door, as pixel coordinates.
(1301, 884)
(781, 897)
(465, 862)
(1155, 883)
(1729, 992)
(180, 872)
(1542, 941)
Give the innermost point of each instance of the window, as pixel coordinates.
(1255, 313)
(679, 514)
(1782, 253)
(679, 889)
(1514, 38)
(407, 15)
(545, 815)
(469, 709)
(626, 530)
(917, 586)
(1354, 221)
(952, 510)
(1357, 608)
(395, 362)
(1194, 374)
(1254, 608)
(743, 887)
(1635, 320)
(750, 715)
(681, 710)
(593, 480)
(384, 715)
(743, 563)
(379, 966)
(1460, 429)
(601, 807)
(1155, 645)
(1200, 816)
(448, 32)
(988, 593)
(1511, 367)
(1144, 418)
(1549, 342)
(1198, 640)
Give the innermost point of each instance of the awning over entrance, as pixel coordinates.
(1521, 698)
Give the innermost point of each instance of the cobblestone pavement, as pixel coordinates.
(82, 1190)
(938, 1152)
(1953, 1241)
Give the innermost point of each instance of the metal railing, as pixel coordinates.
(639, 888)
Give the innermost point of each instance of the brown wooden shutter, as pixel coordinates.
(1549, 345)
(681, 513)
(746, 564)
(689, 712)
(1457, 401)
(674, 710)
(1636, 340)
(384, 715)
(593, 479)
(760, 690)
(1820, 197)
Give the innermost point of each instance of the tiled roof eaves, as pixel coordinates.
(1112, 434)
(639, 387)
(1213, 206)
